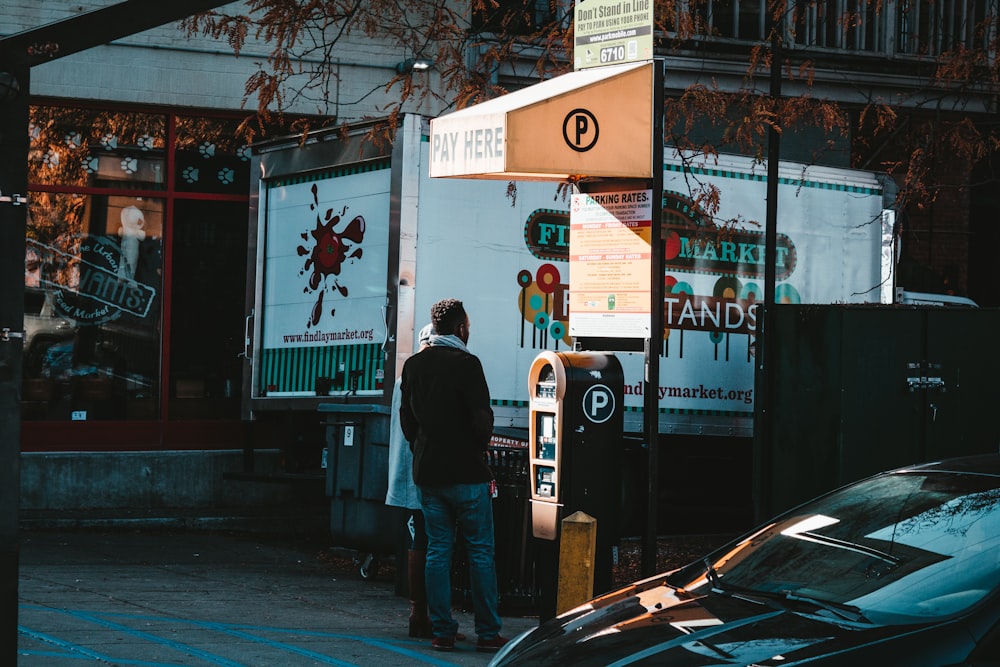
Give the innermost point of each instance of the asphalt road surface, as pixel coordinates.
(149, 598)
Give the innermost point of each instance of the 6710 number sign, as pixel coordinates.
(612, 54)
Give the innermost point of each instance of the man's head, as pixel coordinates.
(449, 318)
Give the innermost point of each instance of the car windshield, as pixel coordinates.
(898, 548)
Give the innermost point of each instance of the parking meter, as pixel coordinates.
(575, 433)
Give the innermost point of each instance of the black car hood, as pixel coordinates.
(653, 623)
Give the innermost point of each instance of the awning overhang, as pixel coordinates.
(591, 123)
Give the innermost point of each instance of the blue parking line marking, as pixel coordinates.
(222, 628)
(70, 647)
(376, 643)
(250, 633)
(89, 658)
(177, 646)
(76, 652)
(431, 660)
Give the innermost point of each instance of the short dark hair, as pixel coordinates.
(446, 315)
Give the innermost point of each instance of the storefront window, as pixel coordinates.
(135, 267)
(93, 284)
(97, 148)
(136, 254)
(211, 157)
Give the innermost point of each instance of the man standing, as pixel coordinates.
(446, 417)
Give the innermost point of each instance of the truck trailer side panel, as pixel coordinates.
(355, 252)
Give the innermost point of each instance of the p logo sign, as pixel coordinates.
(598, 404)
(580, 130)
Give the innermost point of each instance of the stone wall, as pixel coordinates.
(166, 486)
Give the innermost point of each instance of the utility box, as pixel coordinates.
(357, 463)
(575, 446)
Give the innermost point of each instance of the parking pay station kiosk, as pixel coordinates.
(575, 440)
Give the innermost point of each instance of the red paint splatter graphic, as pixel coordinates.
(337, 242)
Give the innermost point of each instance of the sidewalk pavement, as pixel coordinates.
(159, 598)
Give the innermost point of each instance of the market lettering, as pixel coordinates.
(730, 252)
(551, 234)
(546, 234)
(105, 253)
(727, 251)
(704, 313)
(738, 252)
(109, 288)
(83, 315)
(101, 294)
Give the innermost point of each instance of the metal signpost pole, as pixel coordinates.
(654, 344)
(13, 218)
(763, 417)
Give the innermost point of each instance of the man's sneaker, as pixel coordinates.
(443, 644)
(491, 645)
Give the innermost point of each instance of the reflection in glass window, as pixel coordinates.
(211, 156)
(102, 183)
(93, 271)
(97, 148)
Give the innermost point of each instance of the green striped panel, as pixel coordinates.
(509, 403)
(739, 175)
(296, 369)
(326, 174)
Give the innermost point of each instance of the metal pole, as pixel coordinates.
(654, 344)
(763, 379)
(14, 88)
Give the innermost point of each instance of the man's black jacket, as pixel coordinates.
(446, 416)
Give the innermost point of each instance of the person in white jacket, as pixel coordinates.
(403, 493)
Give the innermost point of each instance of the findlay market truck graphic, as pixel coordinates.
(353, 250)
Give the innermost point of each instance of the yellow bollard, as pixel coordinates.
(577, 550)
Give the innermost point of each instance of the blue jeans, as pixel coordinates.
(468, 510)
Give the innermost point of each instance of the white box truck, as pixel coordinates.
(352, 242)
